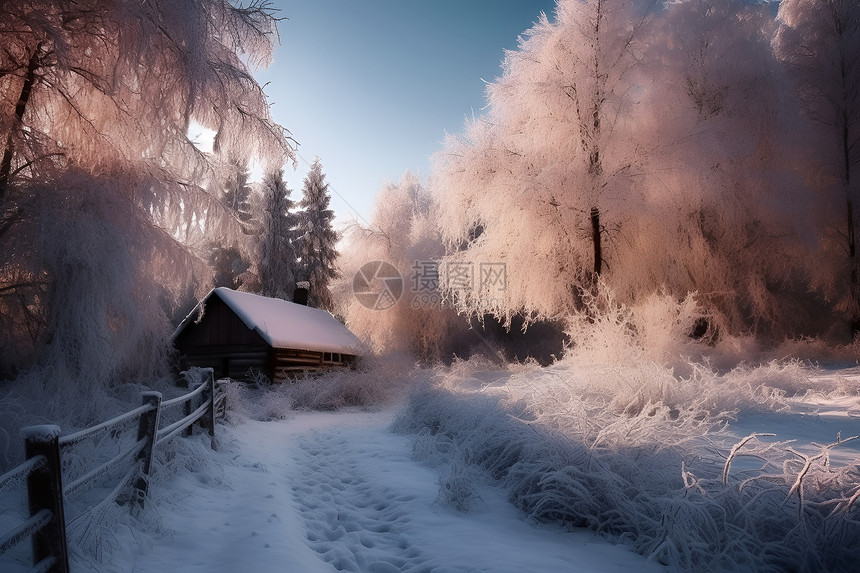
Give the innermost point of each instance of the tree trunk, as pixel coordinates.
(595, 238)
(21, 107)
(852, 245)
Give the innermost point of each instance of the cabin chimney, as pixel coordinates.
(300, 295)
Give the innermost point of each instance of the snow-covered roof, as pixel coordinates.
(285, 324)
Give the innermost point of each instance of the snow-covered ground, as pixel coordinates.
(632, 451)
(339, 492)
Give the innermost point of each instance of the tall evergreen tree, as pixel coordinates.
(237, 194)
(229, 254)
(318, 238)
(278, 240)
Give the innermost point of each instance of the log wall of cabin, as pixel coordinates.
(287, 362)
(222, 341)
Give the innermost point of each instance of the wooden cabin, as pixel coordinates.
(234, 332)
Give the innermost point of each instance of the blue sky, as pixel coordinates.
(372, 86)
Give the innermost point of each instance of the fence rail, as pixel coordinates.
(122, 419)
(17, 476)
(103, 469)
(168, 432)
(41, 473)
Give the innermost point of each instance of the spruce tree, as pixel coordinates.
(318, 238)
(278, 240)
(237, 194)
(229, 256)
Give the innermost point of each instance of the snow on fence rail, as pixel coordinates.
(42, 474)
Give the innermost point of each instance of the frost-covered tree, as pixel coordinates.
(819, 40)
(278, 241)
(653, 149)
(99, 183)
(317, 237)
(403, 233)
(546, 180)
(721, 199)
(99, 85)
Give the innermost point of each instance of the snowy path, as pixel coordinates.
(351, 523)
(339, 492)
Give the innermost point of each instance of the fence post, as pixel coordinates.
(210, 415)
(45, 491)
(147, 429)
(190, 407)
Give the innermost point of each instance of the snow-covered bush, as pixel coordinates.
(658, 329)
(376, 381)
(646, 460)
(458, 485)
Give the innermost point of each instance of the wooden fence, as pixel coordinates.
(42, 474)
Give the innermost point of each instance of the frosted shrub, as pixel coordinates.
(775, 378)
(272, 403)
(608, 336)
(458, 481)
(429, 448)
(193, 455)
(236, 403)
(642, 456)
(377, 380)
(258, 399)
(657, 329)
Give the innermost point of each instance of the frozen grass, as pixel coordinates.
(630, 434)
(44, 395)
(95, 524)
(376, 381)
(643, 456)
(96, 529)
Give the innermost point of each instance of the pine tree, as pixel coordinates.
(278, 241)
(230, 255)
(237, 194)
(318, 238)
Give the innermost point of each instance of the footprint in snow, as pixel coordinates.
(353, 524)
